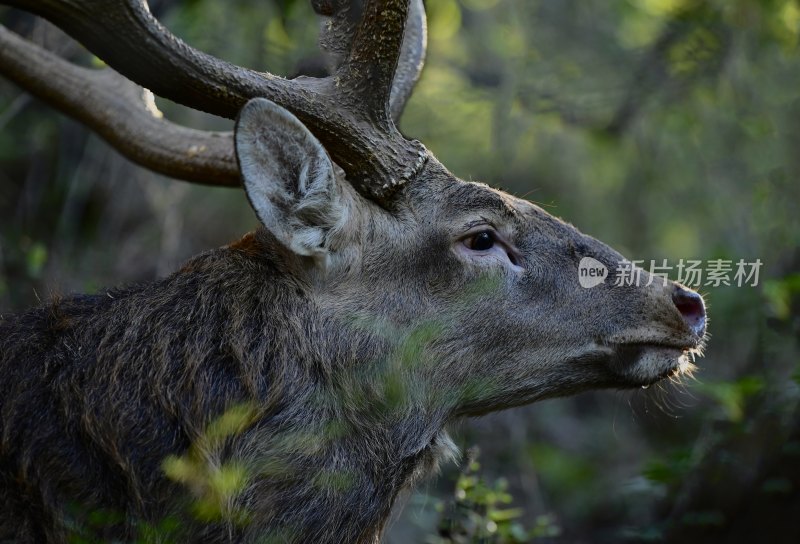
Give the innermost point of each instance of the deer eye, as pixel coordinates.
(482, 241)
(488, 244)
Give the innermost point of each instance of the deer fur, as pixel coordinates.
(353, 334)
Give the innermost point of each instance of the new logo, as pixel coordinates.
(591, 272)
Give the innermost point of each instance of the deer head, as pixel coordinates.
(498, 275)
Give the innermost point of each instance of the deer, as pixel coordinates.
(380, 299)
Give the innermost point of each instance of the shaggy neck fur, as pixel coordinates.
(99, 390)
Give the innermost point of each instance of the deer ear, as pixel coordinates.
(288, 177)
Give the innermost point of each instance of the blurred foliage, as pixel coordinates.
(214, 484)
(481, 513)
(667, 128)
(732, 395)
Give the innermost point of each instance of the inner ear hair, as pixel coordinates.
(288, 177)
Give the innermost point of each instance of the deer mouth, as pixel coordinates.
(645, 363)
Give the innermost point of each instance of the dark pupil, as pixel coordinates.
(483, 241)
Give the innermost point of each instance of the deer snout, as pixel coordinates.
(692, 308)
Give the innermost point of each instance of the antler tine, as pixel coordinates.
(412, 58)
(348, 112)
(367, 73)
(121, 112)
(337, 31)
(336, 36)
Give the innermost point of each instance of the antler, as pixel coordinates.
(348, 111)
(122, 113)
(336, 38)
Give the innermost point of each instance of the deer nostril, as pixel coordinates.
(691, 307)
